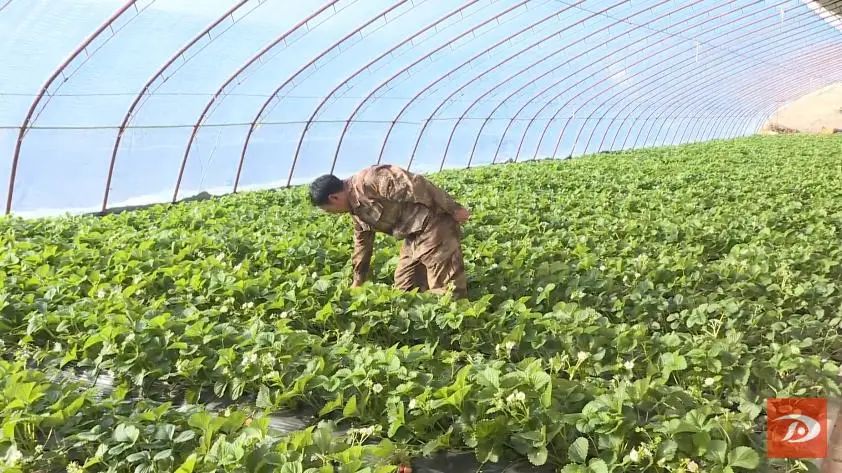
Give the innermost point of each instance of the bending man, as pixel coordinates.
(409, 207)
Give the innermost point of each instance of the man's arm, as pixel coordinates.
(361, 259)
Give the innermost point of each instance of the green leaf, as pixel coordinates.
(489, 377)
(718, 451)
(351, 407)
(165, 432)
(264, 398)
(538, 456)
(188, 465)
(667, 450)
(185, 436)
(598, 465)
(578, 450)
(743, 457)
(163, 455)
(136, 457)
(126, 434)
(332, 405)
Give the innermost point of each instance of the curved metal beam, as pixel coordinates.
(3, 6)
(674, 67)
(759, 103)
(107, 24)
(506, 80)
(640, 100)
(834, 53)
(341, 84)
(155, 76)
(509, 97)
(232, 78)
(733, 85)
(463, 64)
(547, 103)
(403, 70)
(513, 56)
(278, 90)
(678, 98)
(692, 100)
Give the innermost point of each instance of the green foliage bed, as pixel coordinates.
(629, 312)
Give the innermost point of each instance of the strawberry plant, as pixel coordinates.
(628, 312)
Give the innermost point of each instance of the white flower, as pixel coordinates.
(413, 404)
(510, 345)
(74, 467)
(692, 466)
(634, 455)
(101, 293)
(220, 256)
(629, 365)
(515, 396)
(602, 267)
(377, 387)
(224, 309)
(267, 359)
(582, 356)
(709, 381)
(248, 305)
(504, 288)
(249, 358)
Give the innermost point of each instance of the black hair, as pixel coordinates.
(323, 187)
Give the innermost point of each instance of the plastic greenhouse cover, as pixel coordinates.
(111, 103)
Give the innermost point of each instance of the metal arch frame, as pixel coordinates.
(348, 79)
(833, 49)
(463, 64)
(646, 82)
(571, 87)
(513, 56)
(640, 101)
(531, 82)
(704, 113)
(759, 102)
(107, 24)
(755, 100)
(685, 92)
(534, 117)
(672, 67)
(256, 57)
(717, 102)
(424, 57)
(796, 30)
(685, 101)
(543, 91)
(155, 76)
(292, 77)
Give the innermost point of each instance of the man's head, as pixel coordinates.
(329, 194)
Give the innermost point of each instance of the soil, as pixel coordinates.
(818, 112)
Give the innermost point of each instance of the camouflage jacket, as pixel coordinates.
(391, 200)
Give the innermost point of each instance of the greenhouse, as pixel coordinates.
(211, 207)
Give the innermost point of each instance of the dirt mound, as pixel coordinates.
(818, 112)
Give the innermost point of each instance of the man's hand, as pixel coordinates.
(462, 215)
